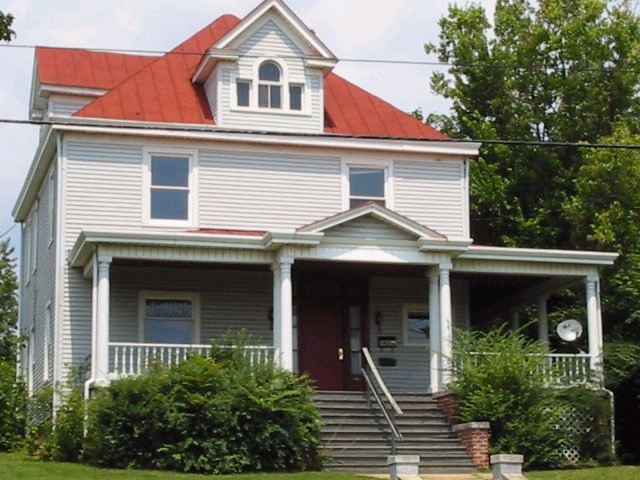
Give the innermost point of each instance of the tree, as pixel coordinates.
(562, 71)
(8, 303)
(6, 33)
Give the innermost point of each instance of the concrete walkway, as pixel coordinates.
(445, 476)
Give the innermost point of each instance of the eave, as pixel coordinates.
(583, 257)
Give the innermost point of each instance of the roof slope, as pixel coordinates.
(159, 89)
(162, 91)
(86, 69)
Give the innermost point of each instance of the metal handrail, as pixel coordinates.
(395, 408)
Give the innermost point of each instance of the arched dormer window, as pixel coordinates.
(269, 85)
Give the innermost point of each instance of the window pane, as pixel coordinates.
(263, 96)
(418, 325)
(243, 94)
(356, 363)
(269, 72)
(356, 202)
(170, 171)
(275, 96)
(161, 308)
(295, 97)
(168, 331)
(169, 204)
(366, 182)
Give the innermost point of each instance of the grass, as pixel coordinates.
(18, 466)
(601, 473)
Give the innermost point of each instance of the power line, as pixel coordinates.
(349, 60)
(7, 232)
(200, 129)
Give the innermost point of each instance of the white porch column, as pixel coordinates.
(543, 322)
(446, 326)
(283, 322)
(515, 318)
(434, 331)
(101, 360)
(275, 317)
(594, 324)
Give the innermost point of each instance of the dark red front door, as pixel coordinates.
(321, 350)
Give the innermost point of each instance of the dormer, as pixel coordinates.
(267, 73)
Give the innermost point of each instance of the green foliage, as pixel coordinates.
(8, 303)
(13, 397)
(6, 34)
(60, 439)
(506, 387)
(216, 415)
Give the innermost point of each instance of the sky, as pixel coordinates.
(352, 29)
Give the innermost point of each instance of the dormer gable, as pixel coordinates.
(267, 73)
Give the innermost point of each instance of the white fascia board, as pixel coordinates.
(37, 171)
(324, 63)
(83, 246)
(584, 257)
(209, 62)
(36, 103)
(454, 246)
(46, 89)
(288, 15)
(274, 240)
(210, 132)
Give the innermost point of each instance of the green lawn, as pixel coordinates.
(15, 466)
(603, 473)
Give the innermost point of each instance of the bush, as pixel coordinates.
(506, 387)
(13, 402)
(215, 415)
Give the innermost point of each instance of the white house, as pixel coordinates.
(237, 183)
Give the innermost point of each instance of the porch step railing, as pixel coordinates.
(560, 369)
(134, 358)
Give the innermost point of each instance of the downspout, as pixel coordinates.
(60, 266)
(94, 323)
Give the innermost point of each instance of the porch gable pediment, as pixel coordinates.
(372, 222)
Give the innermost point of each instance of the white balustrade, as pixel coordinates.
(134, 358)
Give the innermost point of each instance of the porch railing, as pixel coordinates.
(559, 369)
(134, 358)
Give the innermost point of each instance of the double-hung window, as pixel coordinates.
(415, 324)
(170, 188)
(366, 185)
(169, 317)
(269, 86)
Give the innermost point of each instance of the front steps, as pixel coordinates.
(358, 439)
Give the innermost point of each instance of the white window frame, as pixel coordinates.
(51, 207)
(234, 83)
(192, 203)
(282, 83)
(386, 165)
(34, 239)
(26, 251)
(406, 309)
(302, 96)
(145, 295)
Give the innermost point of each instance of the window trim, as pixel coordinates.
(192, 203)
(282, 84)
(145, 295)
(34, 238)
(235, 82)
(386, 165)
(51, 208)
(413, 307)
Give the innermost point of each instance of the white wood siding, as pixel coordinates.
(38, 286)
(367, 230)
(66, 105)
(229, 300)
(432, 193)
(270, 41)
(387, 296)
(211, 91)
(266, 190)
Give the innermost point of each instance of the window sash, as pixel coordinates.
(243, 93)
(177, 325)
(170, 188)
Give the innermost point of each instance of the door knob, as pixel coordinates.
(340, 354)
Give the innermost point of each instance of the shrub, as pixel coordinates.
(216, 414)
(506, 387)
(13, 398)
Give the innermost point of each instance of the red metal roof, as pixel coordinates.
(159, 89)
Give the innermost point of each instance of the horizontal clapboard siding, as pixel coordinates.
(387, 296)
(229, 300)
(367, 230)
(66, 105)
(432, 193)
(267, 190)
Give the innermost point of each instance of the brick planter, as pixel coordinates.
(475, 437)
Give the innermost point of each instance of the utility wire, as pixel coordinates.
(200, 129)
(7, 232)
(351, 60)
